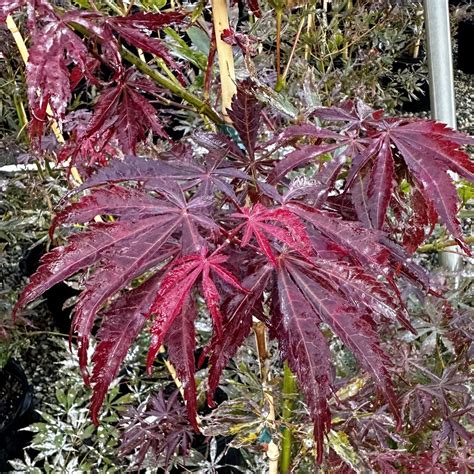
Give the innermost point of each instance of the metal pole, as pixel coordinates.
(440, 66)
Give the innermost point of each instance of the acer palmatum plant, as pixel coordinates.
(303, 255)
(158, 427)
(310, 229)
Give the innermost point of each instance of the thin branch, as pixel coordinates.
(440, 246)
(292, 54)
(288, 392)
(279, 15)
(180, 91)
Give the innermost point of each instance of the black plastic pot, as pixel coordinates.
(16, 411)
(465, 39)
(57, 295)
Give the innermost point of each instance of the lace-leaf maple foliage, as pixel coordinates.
(231, 226)
(68, 48)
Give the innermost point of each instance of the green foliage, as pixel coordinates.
(65, 439)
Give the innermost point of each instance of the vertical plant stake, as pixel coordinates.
(225, 55)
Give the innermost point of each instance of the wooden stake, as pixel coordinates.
(220, 19)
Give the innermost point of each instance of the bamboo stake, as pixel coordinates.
(225, 56)
(310, 26)
(11, 25)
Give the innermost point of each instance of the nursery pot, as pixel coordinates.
(16, 406)
(15, 395)
(465, 37)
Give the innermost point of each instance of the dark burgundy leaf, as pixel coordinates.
(379, 147)
(292, 233)
(123, 322)
(53, 46)
(353, 327)
(158, 427)
(380, 185)
(176, 288)
(360, 200)
(254, 7)
(362, 243)
(314, 258)
(317, 189)
(9, 6)
(245, 115)
(149, 21)
(422, 220)
(132, 168)
(123, 109)
(129, 28)
(219, 144)
(299, 158)
(247, 43)
(236, 326)
(306, 349)
(181, 344)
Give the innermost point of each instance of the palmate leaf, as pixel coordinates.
(348, 322)
(122, 111)
(290, 231)
(123, 250)
(213, 175)
(175, 289)
(158, 428)
(428, 150)
(123, 322)
(383, 151)
(306, 349)
(345, 291)
(149, 230)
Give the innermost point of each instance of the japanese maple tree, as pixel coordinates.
(310, 229)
